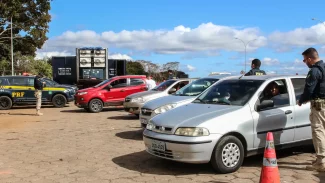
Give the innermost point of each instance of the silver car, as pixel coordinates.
(183, 96)
(230, 120)
(134, 102)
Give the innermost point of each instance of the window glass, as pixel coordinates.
(299, 86)
(19, 81)
(196, 87)
(277, 92)
(136, 82)
(119, 83)
(164, 85)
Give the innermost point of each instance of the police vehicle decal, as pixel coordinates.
(17, 94)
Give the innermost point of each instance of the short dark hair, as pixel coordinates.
(170, 70)
(256, 62)
(311, 53)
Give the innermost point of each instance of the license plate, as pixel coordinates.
(158, 145)
(144, 121)
(131, 110)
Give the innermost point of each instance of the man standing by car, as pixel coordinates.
(150, 82)
(256, 64)
(314, 92)
(38, 85)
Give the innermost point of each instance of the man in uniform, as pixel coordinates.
(38, 85)
(170, 74)
(314, 92)
(256, 64)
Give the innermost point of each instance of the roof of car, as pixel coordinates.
(131, 76)
(266, 77)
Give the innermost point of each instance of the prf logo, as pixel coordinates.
(18, 94)
(2, 87)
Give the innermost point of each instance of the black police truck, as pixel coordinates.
(20, 90)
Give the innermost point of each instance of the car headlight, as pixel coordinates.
(192, 132)
(164, 108)
(139, 99)
(150, 126)
(82, 93)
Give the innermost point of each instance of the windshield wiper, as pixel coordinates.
(220, 102)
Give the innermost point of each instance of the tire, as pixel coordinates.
(5, 103)
(237, 159)
(87, 109)
(59, 100)
(95, 106)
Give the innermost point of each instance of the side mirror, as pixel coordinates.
(265, 104)
(172, 90)
(108, 87)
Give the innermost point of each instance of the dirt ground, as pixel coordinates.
(71, 145)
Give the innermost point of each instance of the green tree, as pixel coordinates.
(42, 66)
(30, 17)
(134, 68)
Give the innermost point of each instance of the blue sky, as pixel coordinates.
(198, 34)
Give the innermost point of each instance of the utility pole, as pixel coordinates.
(245, 45)
(12, 49)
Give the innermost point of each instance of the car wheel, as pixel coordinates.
(95, 105)
(5, 103)
(59, 100)
(87, 109)
(228, 155)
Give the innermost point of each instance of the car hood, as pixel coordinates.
(192, 115)
(170, 99)
(144, 94)
(88, 89)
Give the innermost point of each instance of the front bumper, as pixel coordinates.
(180, 148)
(144, 119)
(132, 107)
(80, 103)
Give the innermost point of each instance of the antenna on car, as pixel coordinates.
(241, 76)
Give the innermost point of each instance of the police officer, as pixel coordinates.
(256, 64)
(170, 74)
(314, 92)
(38, 85)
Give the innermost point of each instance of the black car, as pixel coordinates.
(20, 90)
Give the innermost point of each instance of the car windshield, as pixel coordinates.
(230, 92)
(196, 87)
(102, 83)
(50, 82)
(164, 85)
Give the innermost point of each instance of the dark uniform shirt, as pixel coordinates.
(38, 84)
(256, 72)
(312, 86)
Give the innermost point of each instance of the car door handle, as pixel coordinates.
(29, 89)
(122, 90)
(288, 112)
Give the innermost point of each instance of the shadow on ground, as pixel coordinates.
(131, 135)
(84, 111)
(124, 117)
(145, 163)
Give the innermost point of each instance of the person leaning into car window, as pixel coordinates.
(38, 85)
(256, 64)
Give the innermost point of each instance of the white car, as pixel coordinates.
(183, 96)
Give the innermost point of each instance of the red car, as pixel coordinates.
(111, 92)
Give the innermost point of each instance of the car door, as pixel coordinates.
(277, 119)
(19, 88)
(136, 85)
(30, 91)
(301, 113)
(117, 93)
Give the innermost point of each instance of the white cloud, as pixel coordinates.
(284, 41)
(269, 61)
(181, 39)
(40, 55)
(187, 68)
(119, 56)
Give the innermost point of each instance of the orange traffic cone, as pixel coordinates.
(270, 171)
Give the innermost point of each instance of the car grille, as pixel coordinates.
(146, 112)
(162, 129)
(127, 99)
(165, 154)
